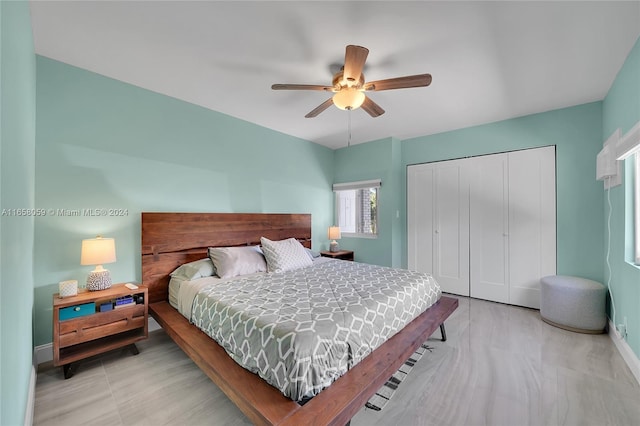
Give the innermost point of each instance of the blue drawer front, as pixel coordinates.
(77, 311)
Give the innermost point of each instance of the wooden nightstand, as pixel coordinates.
(81, 329)
(341, 254)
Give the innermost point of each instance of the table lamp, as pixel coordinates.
(97, 251)
(334, 234)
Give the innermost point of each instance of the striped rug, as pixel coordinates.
(384, 394)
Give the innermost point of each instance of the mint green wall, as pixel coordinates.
(102, 143)
(375, 160)
(621, 109)
(577, 134)
(397, 231)
(17, 144)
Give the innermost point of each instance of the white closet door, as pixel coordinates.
(489, 228)
(438, 223)
(532, 223)
(420, 217)
(451, 260)
(485, 226)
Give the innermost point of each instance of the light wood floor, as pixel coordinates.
(501, 365)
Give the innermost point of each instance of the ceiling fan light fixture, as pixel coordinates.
(348, 98)
(348, 85)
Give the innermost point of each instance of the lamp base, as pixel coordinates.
(99, 280)
(334, 247)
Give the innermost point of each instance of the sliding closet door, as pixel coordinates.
(489, 234)
(438, 222)
(532, 223)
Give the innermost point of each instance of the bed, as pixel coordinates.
(173, 239)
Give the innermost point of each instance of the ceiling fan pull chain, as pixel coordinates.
(349, 137)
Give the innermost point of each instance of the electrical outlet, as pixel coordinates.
(621, 330)
(622, 333)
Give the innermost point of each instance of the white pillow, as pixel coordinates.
(284, 255)
(194, 270)
(234, 261)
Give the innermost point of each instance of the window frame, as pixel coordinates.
(636, 207)
(358, 185)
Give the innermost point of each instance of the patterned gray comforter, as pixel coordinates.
(301, 330)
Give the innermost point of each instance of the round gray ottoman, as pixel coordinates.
(573, 303)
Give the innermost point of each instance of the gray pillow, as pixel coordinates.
(234, 261)
(312, 254)
(284, 255)
(194, 270)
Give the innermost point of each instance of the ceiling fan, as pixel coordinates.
(349, 85)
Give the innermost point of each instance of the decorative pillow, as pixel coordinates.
(284, 255)
(234, 261)
(193, 270)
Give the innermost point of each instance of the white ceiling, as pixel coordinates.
(489, 60)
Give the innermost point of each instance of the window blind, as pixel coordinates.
(363, 184)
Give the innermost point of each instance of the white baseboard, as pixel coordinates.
(625, 350)
(44, 353)
(31, 397)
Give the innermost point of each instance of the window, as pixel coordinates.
(628, 150)
(357, 208)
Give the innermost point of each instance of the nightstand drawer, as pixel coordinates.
(101, 325)
(77, 311)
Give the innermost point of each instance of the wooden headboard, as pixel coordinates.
(172, 239)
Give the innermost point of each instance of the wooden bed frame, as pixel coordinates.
(172, 239)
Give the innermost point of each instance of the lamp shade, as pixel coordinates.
(348, 98)
(334, 233)
(97, 251)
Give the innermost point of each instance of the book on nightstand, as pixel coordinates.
(124, 301)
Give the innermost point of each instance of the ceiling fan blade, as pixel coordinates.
(317, 110)
(372, 108)
(419, 80)
(300, 87)
(354, 60)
